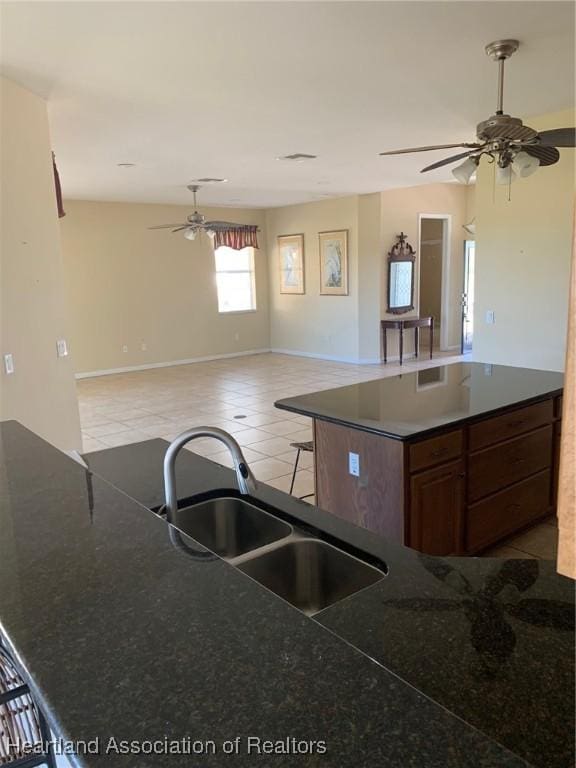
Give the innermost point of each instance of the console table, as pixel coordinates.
(400, 325)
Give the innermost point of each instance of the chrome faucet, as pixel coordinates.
(245, 478)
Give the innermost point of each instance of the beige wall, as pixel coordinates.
(523, 251)
(129, 286)
(310, 323)
(470, 207)
(431, 250)
(41, 393)
(348, 328)
(401, 209)
(370, 265)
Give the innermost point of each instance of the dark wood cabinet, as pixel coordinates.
(455, 492)
(511, 424)
(437, 510)
(507, 511)
(437, 450)
(496, 467)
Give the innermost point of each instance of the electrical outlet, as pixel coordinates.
(490, 317)
(144, 347)
(8, 363)
(236, 337)
(354, 464)
(61, 348)
(125, 348)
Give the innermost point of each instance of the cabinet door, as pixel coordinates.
(437, 510)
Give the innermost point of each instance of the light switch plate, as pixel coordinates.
(490, 317)
(61, 348)
(8, 363)
(354, 464)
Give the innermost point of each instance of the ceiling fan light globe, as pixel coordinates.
(211, 234)
(525, 165)
(505, 175)
(190, 234)
(464, 173)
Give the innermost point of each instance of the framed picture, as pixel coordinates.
(291, 258)
(334, 263)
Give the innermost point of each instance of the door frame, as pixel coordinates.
(464, 265)
(445, 316)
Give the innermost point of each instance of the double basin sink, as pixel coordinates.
(308, 573)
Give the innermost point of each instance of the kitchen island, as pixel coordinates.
(446, 460)
(444, 663)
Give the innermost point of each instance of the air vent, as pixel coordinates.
(298, 157)
(209, 180)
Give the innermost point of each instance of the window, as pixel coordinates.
(235, 279)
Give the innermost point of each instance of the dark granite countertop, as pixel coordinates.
(415, 403)
(122, 634)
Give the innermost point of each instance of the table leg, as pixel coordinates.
(385, 345)
(401, 341)
(431, 336)
(416, 340)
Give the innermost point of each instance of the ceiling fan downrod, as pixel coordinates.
(499, 51)
(194, 189)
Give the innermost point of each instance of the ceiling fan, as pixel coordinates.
(517, 149)
(196, 223)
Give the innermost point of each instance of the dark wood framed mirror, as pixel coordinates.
(401, 261)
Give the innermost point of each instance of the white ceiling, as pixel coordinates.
(187, 89)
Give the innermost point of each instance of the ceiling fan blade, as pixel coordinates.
(427, 149)
(558, 137)
(168, 226)
(446, 161)
(179, 229)
(546, 155)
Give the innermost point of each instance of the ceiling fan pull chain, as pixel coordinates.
(494, 166)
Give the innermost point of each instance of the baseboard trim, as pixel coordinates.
(168, 364)
(245, 353)
(331, 358)
(396, 358)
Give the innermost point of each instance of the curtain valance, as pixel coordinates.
(244, 236)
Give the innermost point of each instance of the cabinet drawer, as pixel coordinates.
(427, 453)
(495, 517)
(510, 424)
(506, 463)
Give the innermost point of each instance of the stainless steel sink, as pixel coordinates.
(309, 574)
(230, 526)
(306, 572)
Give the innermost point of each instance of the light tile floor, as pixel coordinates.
(163, 402)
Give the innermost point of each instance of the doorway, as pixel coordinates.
(434, 242)
(468, 297)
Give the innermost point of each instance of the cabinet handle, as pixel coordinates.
(512, 507)
(516, 423)
(439, 452)
(518, 460)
